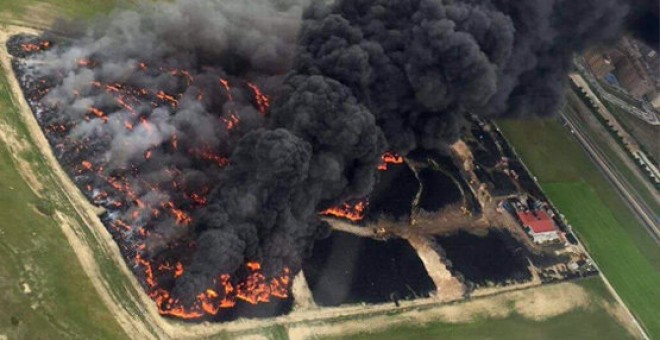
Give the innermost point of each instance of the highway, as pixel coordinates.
(620, 183)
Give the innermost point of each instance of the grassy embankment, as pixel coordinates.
(621, 246)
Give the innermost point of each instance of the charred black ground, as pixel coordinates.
(439, 190)
(349, 269)
(495, 258)
(394, 194)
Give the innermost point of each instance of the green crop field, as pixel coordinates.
(625, 252)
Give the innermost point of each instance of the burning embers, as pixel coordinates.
(25, 45)
(40, 46)
(154, 195)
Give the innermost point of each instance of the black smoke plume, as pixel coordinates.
(352, 79)
(418, 65)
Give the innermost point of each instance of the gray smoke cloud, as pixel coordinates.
(350, 79)
(209, 39)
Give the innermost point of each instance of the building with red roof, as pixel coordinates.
(539, 225)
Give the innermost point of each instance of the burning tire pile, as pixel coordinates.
(215, 134)
(133, 197)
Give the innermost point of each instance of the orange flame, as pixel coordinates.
(262, 100)
(180, 216)
(179, 270)
(183, 73)
(353, 212)
(165, 97)
(175, 142)
(389, 158)
(253, 266)
(99, 114)
(87, 165)
(255, 289)
(208, 155)
(147, 126)
(232, 122)
(225, 84)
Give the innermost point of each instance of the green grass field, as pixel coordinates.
(62, 303)
(590, 323)
(621, 246)
(12, 9)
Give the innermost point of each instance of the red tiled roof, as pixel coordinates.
(539, 222)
